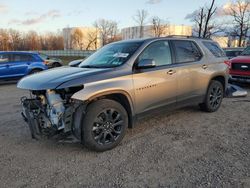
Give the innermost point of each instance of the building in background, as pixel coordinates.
(222, 41)
(81, 38)
(148, 31)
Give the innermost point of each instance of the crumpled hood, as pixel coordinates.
(53, 78)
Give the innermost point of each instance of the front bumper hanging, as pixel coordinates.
(29, 108)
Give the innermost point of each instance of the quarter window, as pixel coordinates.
(158, 51)
(214, 49)
(186, 51)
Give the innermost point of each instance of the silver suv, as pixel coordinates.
(121, 82)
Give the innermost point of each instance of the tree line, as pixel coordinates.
(107, 31)
(14, 40)
(232, 20)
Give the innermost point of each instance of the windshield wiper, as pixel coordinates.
(96, 67)
(90, 66)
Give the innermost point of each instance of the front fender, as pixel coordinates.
(36, 66)
(122, 85)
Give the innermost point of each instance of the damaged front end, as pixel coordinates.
(50, 112)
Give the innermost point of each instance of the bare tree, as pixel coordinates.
(198, 19)
(210, 13)
(240, 11)
(203, 19)
(4, 40)
(92, 38)
(108, 30)
(15, 39)
(140, 18)
(159, 26)
(32, 41)
(77, 38)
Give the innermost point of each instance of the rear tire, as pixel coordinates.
(104, 125)
(56, 65)
(214, 97)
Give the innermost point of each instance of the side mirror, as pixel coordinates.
(75, 63)
(146, 64)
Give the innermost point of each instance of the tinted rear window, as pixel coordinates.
(214, 49)
(22, 57)
(186, 51)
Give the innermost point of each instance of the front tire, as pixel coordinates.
(214, 97)
(104, 125)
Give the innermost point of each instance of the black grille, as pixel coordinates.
(241, 77)
(241, 66)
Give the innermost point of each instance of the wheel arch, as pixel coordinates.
(221, 79)
(36, 68)
(119, 96)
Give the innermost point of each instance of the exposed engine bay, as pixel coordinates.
(50, 112)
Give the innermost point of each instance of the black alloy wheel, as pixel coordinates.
(214, 97)
(107, 126)
(104, 125)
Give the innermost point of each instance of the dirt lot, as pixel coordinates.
(188, 148)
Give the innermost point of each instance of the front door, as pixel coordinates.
(155, 87)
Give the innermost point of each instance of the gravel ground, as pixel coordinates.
(187, 148)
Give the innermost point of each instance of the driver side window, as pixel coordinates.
(159, 52)
(4, 58)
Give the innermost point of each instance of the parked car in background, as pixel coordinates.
(122, 82)
(240, 67)
(14, 65)
(233, 52)
(51, 62)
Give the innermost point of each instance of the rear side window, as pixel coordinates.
(214, 49)
(186, 51)
(21, 57)
(4, 58)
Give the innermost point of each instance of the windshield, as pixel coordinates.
(246, 51)
(112, 55)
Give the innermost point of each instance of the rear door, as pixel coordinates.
(4, 65)
(191, 70)
(155, 87)
(19, 64)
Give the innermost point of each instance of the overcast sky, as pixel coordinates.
(53, 15)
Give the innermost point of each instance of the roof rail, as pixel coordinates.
(186, 36)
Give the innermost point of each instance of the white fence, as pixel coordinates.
(67, 53)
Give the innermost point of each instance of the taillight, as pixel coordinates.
(228, 63)
(45, 62)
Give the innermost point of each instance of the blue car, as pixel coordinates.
(14, 65)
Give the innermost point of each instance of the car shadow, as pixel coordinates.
(8, 82)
